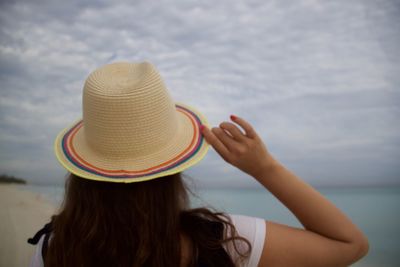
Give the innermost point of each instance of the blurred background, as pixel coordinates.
(319, 81)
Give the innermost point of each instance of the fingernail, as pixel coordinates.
(201, 128)
(233, 117)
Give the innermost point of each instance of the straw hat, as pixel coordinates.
(131, 129)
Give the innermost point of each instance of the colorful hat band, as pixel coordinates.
(185, 155)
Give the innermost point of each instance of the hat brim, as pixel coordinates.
(187, 148)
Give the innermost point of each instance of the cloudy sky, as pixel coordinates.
(319, 80)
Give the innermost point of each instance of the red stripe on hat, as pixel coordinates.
(167, 164)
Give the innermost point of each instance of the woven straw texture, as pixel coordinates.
(131, 129)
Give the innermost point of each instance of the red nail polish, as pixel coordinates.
(201, 128)
(233, 117)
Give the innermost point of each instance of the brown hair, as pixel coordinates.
(136, 224)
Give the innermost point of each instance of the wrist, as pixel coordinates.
(268, 167)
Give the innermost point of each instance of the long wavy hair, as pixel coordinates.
(136, 224)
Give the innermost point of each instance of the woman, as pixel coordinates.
(126, 203)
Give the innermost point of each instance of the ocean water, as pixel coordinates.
(374, 210)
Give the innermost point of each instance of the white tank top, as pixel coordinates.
(253, 229)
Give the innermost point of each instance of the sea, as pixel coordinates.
(374, 209)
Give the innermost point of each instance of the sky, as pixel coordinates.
(318, 80)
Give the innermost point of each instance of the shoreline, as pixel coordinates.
(22, 214)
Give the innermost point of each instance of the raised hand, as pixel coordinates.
(245, 151)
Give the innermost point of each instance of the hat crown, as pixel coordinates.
(127, 110)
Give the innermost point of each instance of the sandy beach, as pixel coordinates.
(22, 214)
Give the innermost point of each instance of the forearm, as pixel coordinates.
(314, 211)
(330, 238)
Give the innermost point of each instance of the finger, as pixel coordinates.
(225, 138)
(215, 142)
(250, 132)
(234, 131)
